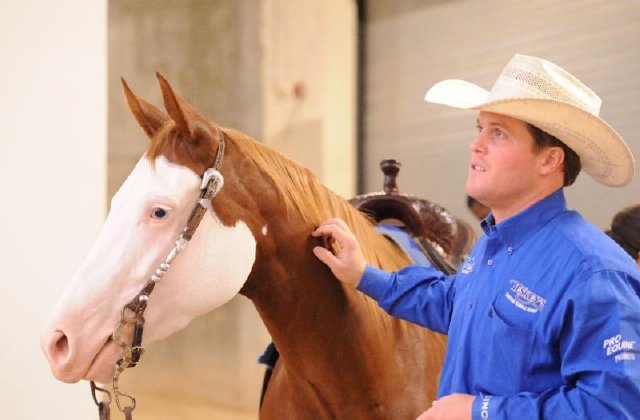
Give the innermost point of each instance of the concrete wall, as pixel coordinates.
(309, 68)
(52, 178)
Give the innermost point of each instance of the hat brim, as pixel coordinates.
(603, 153)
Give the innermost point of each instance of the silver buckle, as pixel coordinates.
(209, 174)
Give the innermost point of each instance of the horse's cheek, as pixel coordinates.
(224, 258)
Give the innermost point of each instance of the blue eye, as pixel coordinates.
(159, 213)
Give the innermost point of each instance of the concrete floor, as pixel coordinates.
(154, 407)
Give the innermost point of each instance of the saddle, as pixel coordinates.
(430, 226)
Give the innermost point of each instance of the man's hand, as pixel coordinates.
(348, 264)
(451, 407)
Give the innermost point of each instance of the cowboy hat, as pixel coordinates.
(540, 93)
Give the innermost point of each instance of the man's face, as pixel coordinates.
(504, 168)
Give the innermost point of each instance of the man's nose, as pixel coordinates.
(477, 144)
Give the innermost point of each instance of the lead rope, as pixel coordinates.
(132, 313)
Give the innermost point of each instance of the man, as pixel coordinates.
(543, 317)
(625, 230)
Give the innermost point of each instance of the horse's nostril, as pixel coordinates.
(60, 346)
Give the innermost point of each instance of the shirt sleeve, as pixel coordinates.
(600, 360)
(422, 295)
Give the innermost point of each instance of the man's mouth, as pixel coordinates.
(478, 168)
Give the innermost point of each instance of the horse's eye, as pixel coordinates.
(159, 213)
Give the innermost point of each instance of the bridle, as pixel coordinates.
(133, 312)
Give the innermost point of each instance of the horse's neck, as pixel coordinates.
(320, 327)
(305, 307)
(337, 348)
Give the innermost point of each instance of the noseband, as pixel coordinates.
(133, 312)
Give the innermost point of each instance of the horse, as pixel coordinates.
(341, 356)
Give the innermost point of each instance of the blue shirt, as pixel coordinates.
(543, 318)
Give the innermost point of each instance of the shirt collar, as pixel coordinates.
(516, 229)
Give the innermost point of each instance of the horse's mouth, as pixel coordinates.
(103, 364)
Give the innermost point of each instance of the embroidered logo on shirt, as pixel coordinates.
(623, 349)
(467, 265)
(523, 298)
(484, 407)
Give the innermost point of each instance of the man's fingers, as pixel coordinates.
(344, 237)
(326, 229)
(335, 237)
(324, 255)
(343, 255)
(331, 225)
(322, 230)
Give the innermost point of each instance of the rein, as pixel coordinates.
(133, 312)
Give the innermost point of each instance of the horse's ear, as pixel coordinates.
(183, 114)
(148, 116)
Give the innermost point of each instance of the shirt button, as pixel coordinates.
(489, 262)
(510, 249)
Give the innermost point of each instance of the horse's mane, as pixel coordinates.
(303, 193)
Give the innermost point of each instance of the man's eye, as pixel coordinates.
(159, 213)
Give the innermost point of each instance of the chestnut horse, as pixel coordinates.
(341, 356)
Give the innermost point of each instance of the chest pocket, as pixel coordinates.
(514, 313)
(509, 346)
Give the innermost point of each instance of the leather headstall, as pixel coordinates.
(133, 312)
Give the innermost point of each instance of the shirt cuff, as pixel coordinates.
(374, 282)
(485, 407)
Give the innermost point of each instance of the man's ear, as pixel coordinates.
(553, 160)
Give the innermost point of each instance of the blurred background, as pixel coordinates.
(337, 85)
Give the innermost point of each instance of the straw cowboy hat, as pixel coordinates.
(539, 92)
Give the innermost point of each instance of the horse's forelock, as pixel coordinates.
(170, 142)
(303, 193)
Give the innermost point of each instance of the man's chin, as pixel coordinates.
(475, 191)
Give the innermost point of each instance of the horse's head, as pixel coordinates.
(147, 216)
